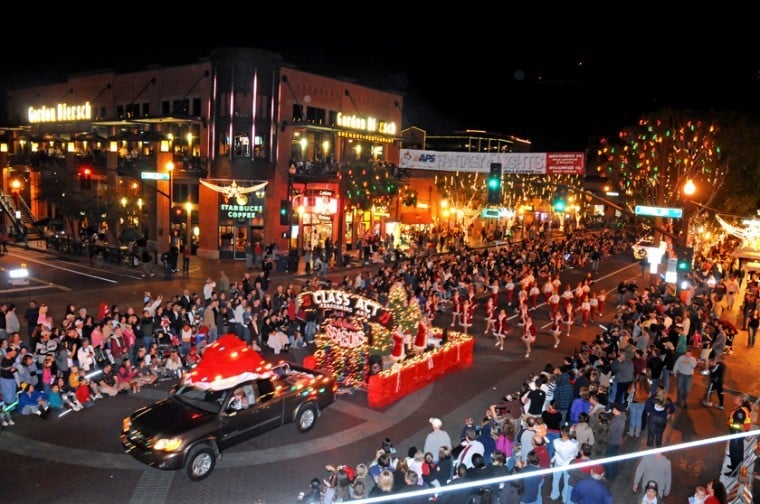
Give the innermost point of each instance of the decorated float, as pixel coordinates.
(390, 350)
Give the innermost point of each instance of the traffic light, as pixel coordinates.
(685, 259)
(178, 215)
(285, 212)
(559, 201)
(494, 184)
(85, 177)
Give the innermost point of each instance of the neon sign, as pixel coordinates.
(63, 112)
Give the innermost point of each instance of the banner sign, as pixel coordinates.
(518, 163)
(347, 302)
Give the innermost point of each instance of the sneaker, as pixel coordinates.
(707, 403)
(5, 424)
(719, 406)
(98, 396)
(11, 422)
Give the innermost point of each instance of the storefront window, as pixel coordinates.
(242, 145)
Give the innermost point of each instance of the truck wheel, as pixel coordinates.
(306, 418)
(200, 462)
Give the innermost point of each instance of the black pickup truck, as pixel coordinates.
(190, 428)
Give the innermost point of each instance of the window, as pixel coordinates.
(181, 107)
(165, 108)
(196, 110)
(133, 110)
(315, 115)
(297, 112)
(145, 109)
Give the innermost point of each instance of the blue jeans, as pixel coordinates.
(666, 379)
(684, 386)
(636, 411)
(565, 477)
(611, 467)
(655, 428)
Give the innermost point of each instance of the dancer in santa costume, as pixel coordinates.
(594, 303)
(533, 293)
(578, 295)
(468, 311)
(529, 335)
(556, 328)
(431, 306)
(420, 341)
(490, 315)
(500, 330)
(548, 289)
(456, 308)
(601, 297)
(522, 297)
(397, 352)
(585, 310)
(553, 304)
(567, 297)
(495, 291)
(509, 289)
(569, 317)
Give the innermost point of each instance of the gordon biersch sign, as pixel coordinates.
(520, 163)
(347, 302)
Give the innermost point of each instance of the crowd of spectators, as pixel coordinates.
(574, 410)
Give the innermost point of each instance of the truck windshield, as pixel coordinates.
(209, 401)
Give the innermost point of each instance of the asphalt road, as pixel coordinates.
(78, 457)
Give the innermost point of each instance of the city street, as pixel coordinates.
(78, 457)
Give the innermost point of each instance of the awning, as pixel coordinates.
(416, 217)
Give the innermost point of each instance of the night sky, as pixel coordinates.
(561, 79)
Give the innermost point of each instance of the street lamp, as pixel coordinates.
(170, 169)
(292, 257)
(189, 208)
(689, 188)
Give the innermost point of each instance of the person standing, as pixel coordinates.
(753, 322)
(653, 468)
(31, 315)
(592, 489)
(615, 437)
(436, 439)
(8, 376)
(186, 252)
(738, 421)
(658, 410)
(717, 371)
(565, 450)
(249, 258)
(684, 371)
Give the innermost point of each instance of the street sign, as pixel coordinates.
(492, 213)
(673, 213)
(151, 175)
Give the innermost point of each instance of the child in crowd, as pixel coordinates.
(700, 494)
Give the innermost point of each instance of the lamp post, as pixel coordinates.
(292, 253)
(170, 169)
(189, 231)
(688, 191)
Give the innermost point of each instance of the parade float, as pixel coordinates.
(390, 350)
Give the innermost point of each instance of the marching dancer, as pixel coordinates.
(533, 294)
(468, 310)
(567, 297)
(569, 316)
(553, 304)
(490, 316)
(529, 335)
(500, 328)
(556, 328)
(585, 310)
(594, 302)
(456, 308)
(548, 289)
(601, 297)
(495, 291)
(509, 289)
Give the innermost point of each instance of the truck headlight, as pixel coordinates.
(168, 444)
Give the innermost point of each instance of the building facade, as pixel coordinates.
(233, 149)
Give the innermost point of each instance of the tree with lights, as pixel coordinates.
(649, 163)
(368, 184)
